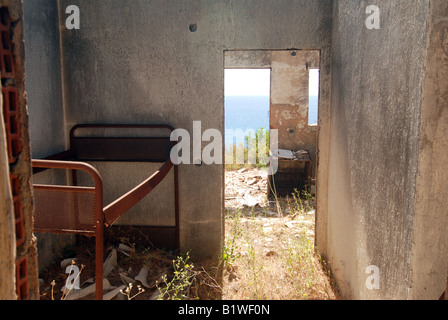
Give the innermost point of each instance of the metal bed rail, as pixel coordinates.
(51, 204)
(79, 210)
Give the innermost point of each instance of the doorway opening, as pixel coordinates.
(269, 251)
(247, 104)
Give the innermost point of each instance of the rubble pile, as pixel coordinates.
(127, 275)
(246, 188)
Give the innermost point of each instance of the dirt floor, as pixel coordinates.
(268, 254)
(270, 243)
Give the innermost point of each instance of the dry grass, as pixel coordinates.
(269, 251)
(269, 254)
(273, 258)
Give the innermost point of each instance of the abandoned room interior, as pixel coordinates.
(96, 95)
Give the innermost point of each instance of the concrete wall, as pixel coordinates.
(19, 156)
(7, 224)
(43, 77)
(429, 261)
(376, 111)
(136, 61)
(290, 101)
(45, 104)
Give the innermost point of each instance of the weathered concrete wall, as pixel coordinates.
(136, 61)
(377, 81)
(290, 101)
(43, 77)
(19, 155)
(429, 262)
(45, 104)
(7, 223)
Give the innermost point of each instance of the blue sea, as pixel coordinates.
(252, 112)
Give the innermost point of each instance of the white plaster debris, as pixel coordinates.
(110, 263)
(143, 276)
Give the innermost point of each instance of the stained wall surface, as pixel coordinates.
(429, 261)
(376, 112)
(43, 82)
(290, 101)
(43, 78)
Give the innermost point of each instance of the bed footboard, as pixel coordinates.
(72, 209)
(79, 210)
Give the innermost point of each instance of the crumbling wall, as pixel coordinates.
(289, 94)
(17, 140)
(290, 101)
(7, 224)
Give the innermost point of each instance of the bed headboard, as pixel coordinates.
(85, 145)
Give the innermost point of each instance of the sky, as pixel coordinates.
(247, 82)
(256, 82)
(314, 82)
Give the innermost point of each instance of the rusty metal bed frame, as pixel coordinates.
(81, 206)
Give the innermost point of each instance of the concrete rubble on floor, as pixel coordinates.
(118, 283)
(246, 188)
